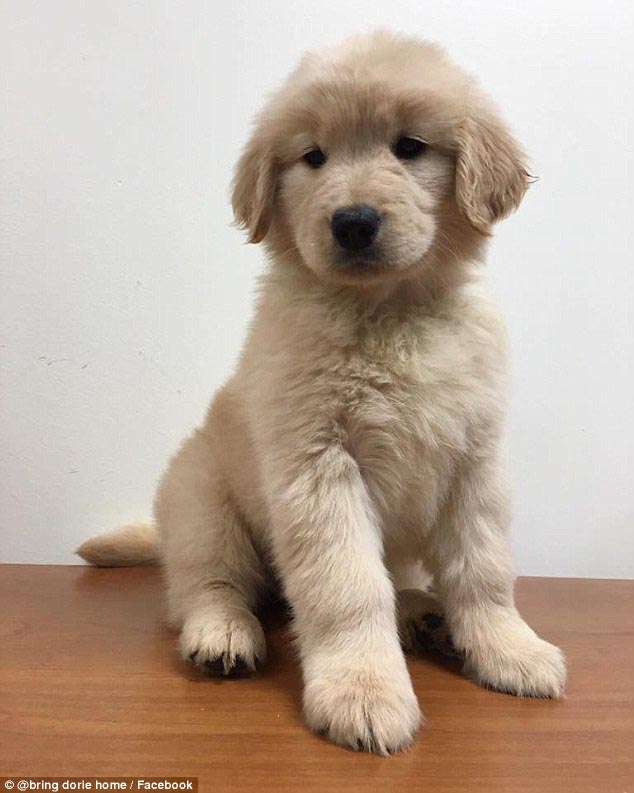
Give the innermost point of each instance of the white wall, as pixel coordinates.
(125, 292)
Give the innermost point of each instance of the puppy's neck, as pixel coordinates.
(419, 292)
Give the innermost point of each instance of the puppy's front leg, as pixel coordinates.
(328, 550)
(474, 578)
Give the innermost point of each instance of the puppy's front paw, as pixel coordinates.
(526, 666)
(363, 710)
(229, 643)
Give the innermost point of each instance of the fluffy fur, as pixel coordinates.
(359, 438)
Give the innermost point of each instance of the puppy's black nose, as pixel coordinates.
(355, 228)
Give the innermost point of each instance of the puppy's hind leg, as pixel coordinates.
(421, 622)
(214, 576)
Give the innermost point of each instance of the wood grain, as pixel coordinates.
(90, 685)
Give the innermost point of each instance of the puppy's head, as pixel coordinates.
(377, 160)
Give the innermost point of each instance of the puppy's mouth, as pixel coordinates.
(367, 262)
(374, 264)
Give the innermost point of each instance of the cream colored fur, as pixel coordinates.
(128, 546)
(359, 438)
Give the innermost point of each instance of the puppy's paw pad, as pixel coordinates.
(433, 640)
(422, 625)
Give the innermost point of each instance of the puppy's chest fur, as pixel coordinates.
(405, 399)
(406, 395)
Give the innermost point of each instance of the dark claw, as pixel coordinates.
(240, 668)
(215, 666)
(450, 648)
(425, 639)
(433, 621)
(240, 665)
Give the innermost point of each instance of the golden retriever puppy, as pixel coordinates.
(359, 439)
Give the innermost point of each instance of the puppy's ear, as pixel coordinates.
(254, 185)
(491, 177)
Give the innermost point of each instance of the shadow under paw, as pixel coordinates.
(224, 665)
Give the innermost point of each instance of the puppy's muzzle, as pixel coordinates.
(355, 228)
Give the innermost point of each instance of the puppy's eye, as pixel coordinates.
(409, 148)
(315, 158)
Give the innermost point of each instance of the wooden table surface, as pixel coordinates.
(91, 685)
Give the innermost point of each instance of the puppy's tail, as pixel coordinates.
(128, 546)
